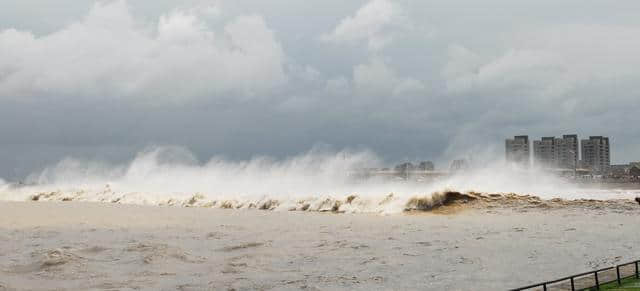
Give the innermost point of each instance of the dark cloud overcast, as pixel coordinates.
(406, 79)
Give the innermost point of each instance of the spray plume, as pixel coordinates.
(314, 181)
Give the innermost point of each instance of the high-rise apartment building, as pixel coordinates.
(567, 151)
(595, 153)
(517, 150)
(552, 152)
(544, 152)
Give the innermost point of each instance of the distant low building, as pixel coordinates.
(405, 167)
(458, 165)
(426, 166)
(408, 167)
(619, 170)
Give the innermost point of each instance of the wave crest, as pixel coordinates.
(315, 181)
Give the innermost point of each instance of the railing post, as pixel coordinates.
(573, 287)
(595, 275)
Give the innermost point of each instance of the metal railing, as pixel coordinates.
(572, 279)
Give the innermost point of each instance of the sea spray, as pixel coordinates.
(314, 181)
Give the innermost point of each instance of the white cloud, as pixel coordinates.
(516, 69)
(377, 78)
(338, 86)
(372, 23)
(374, 78)
(549, 62)
(110, 54)
(409, 86)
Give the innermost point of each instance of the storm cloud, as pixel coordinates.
(108, 54)
(406, 79)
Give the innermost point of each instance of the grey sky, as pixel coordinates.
(407, 79)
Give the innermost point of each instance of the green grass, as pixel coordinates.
(628, 284)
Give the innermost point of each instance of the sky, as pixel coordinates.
(408, 80)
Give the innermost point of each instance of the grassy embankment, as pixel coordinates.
(628, 284)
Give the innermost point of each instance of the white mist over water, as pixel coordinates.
(316, 180)
(3, 185)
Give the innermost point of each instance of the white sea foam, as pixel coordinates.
(317, 180)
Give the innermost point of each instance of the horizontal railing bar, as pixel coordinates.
(578, 275)
(630, 263)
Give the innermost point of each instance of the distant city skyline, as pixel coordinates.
(552, 152)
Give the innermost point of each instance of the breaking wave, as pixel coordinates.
(315, 181)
